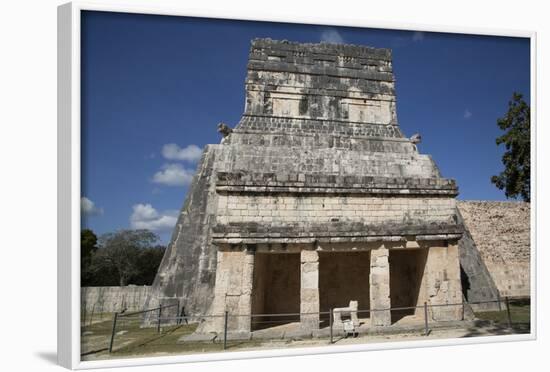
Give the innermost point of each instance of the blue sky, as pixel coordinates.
(154, 89)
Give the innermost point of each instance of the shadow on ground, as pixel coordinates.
(48, 356)
(484, 328)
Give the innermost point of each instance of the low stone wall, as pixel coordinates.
(111, 299)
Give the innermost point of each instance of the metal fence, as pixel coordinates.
(121, 316)
(267, 321)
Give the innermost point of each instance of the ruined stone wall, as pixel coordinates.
(111, 299)
(501, 232)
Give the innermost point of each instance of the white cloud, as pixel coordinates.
(173, 175)
(144, 216)
(418, 36)
(191, 153)
(88, 207)
(332, 36)
(467, 114)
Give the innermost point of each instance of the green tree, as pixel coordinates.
(515, 179)
(148, 263)
(119, 253)
(88, 247)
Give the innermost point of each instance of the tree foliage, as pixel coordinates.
(148, 263)
(88, 247)
(515, 179)
(123, 257)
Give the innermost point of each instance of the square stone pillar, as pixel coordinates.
(309, 289)
(232, 292)
(380, 287)
(245, 303)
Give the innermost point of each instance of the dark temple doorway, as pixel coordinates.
(344, 277)
(275, 289)
(406, 272)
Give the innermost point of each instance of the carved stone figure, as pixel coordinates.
(224, 129)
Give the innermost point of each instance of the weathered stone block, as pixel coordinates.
(380, 288)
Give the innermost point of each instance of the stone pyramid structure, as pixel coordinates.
(315, 184)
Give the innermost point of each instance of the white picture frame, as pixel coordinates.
(69, 184)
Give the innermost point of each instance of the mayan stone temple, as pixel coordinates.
(315, 199)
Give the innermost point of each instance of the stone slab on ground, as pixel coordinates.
(238, 336)
(298, 334)
(198, 337)
(269, 334)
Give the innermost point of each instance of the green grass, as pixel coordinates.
(519, 313)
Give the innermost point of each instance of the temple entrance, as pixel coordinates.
(343, 277)
(406, 271)
(276, 289)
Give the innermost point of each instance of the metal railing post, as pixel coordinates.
(509, 316)
(499, 302)
(426, 330)
(92, 316)
(158, 320)
(113, 333)
(330, 324)
(225, 330)
(178, 315)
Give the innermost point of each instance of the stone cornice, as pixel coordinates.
(330, 184)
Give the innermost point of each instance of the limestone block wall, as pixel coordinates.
(111, 299)
(286, 209)
(512, 279)
(501, 232)
(320, 81)
(336, 161)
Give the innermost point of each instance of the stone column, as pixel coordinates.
(217, 309)
(309, 289)
(245, 303)
(380, 287)
(232, 292)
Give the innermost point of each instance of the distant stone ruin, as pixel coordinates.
(500, 233)
(314, 199)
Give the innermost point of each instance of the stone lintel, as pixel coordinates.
(283, 243)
